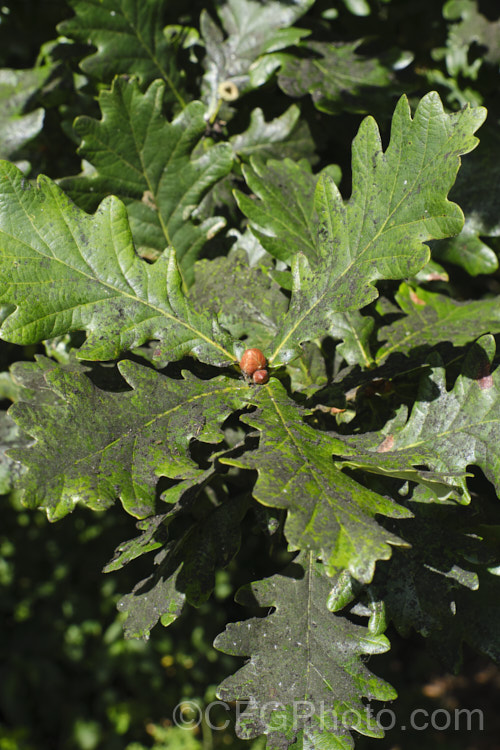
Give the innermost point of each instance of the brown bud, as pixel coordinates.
(251, 361)
(260, 377)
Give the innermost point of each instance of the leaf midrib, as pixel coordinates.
(155, 60)
(315, 474)
(162, 415)
(163, 313)
(363, 252)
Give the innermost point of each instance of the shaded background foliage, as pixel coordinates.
(68, 679)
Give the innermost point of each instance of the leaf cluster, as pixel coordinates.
(218, 208)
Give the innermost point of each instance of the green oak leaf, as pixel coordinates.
(184, 568)
(248, 303)
(432, 271)
(151, 168)
(11, 436)
(444, 586)
(286, 136)
(309, 373)
(252, 28)
(17, 126)
(281, 210)
(9, 390)
(94, 445)
(468, 250)
(285, 206)
(355, 330)
(153, 536)
(129, 38)
(472, 29)
(328, 511)
(65, 271)
(282, 216)
(433, 318)
(398, 202)
(447, 431)
(476, 191)
(301, 656)
(336, 77)
(422, 585)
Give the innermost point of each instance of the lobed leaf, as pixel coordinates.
(445, 584)
(447, 431)
(422, 585)
(129, 38)
(282, 211)
(336, 77)
(328, 511)
(472, 29)
(11, 436)
(281, 208)
(17, 126)
(252, 29)
(300, 656)
(355, 331)
(185, 568)
(434, 318)
(149, 164)
(283, 203)
(247, 302)
(476, 191)
(64, 270)
(152, 537)
(309, 373)
(286, 136)
(398, 202)
(94, 445)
